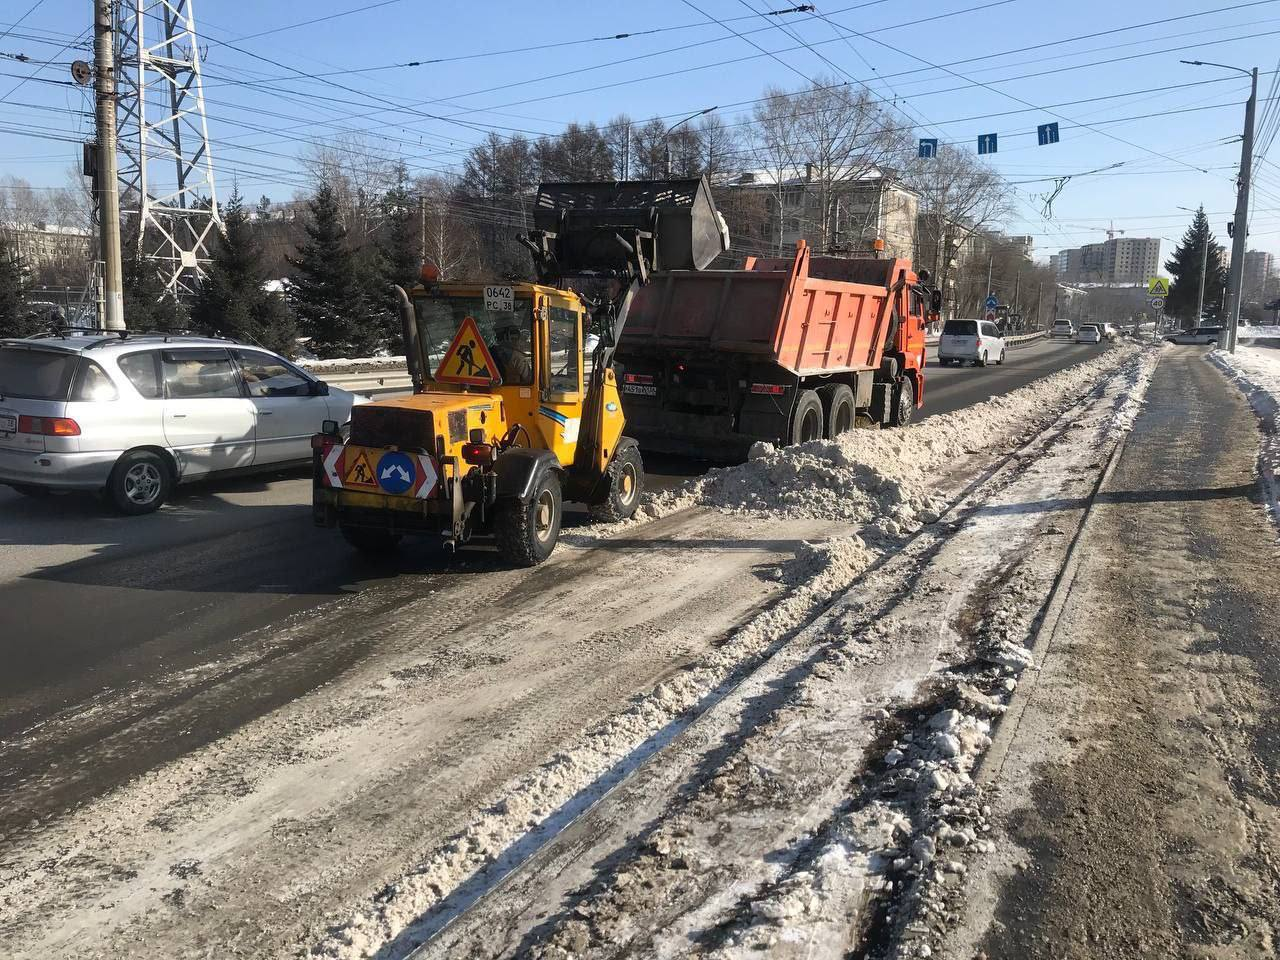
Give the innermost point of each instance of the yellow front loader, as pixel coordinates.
(515, 406)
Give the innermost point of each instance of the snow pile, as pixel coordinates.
(1257, 333)
(1256, 370)
(344, 363)
(887, 473)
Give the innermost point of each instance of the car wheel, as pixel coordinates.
(30, 490)
(981, 361)
(626, 480)
(139, 483)
(1000, 362)
(904, 403)
(806, 419)
(528, 532)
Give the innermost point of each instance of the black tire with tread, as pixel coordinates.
(837, 397)
(808, 405)
(619, 504)
(116, 487)
(1000, 362)
(515, 525)
(904, 403)
(981, 361)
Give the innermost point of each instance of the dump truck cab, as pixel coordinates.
(511, 412)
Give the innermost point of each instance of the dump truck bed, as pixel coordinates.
(809, 315)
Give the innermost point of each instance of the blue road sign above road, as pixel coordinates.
(992, 303)
(1047, 133)
(928, 147)
(987, 142)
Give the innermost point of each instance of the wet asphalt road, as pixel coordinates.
(94, 602)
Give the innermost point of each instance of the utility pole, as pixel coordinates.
(1240, 225)
(1240, 234)
(991, 260)
(422, 214)
(1204, 266)
(108, 185)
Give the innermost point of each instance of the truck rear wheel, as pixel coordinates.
(806, 419)
(904, 403)
(626, 480)
(528, 532)
(837, 400)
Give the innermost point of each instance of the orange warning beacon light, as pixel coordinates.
(430, 273)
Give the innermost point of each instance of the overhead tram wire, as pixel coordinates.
(19, 85)
(32, 9)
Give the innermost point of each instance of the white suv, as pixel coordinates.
(979, 341)
(134, 415)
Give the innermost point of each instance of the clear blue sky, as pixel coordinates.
(258, 132)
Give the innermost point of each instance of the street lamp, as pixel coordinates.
(667, 133)
(1240, 230)
(1204, 265)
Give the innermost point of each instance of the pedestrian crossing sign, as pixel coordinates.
(1157, 287)
(468, 360)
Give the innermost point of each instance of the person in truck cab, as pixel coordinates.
(514, 362)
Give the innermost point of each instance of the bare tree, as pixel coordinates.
(717, 147)
(359, 176)
(448, 240)
(961, 199)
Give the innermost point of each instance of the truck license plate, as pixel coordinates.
(640, 388)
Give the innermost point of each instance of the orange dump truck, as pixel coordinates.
(783, 350)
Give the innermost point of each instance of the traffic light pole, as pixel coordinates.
(108, 186)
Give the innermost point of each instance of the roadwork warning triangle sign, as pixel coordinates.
(359, 472)
(468, 359)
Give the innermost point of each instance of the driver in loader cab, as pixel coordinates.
(514, 362)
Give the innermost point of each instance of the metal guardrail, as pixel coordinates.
(1023, 338)
(371, 383)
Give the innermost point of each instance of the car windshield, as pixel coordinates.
(961, 328)
(1213, 330)
(35, 374)
(508, 335)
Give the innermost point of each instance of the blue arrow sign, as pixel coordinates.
(992, 303)
(987, 143)
(928, 148)
(1047, 133)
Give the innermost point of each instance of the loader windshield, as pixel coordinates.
(507, 333)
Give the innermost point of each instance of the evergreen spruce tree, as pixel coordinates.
(1184, 267)
(147, 304)
(233, 300)
(332, 307)
(398, 245)
(12, 302)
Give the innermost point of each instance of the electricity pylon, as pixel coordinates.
(167, 187)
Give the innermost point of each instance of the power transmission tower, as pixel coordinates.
(166, 172)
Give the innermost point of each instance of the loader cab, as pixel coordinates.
(533, 334)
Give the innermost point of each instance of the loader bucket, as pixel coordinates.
(674, 223)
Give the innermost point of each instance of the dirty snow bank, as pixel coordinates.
(880, 479)
(1256, 371)
(345, 363)
(852, 477)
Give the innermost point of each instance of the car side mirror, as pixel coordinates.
(319, 388)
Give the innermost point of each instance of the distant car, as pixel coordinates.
(1110, 331)
(1088, 333)
(1062, 328)
(133, 416)
(977, 341)
(1203, 336)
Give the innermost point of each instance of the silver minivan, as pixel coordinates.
(132, 416)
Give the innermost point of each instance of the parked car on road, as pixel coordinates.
(134, 415)
(1110, 331)
(1088, 333)
(1204, 336)
(977, 341)
(1062, 328)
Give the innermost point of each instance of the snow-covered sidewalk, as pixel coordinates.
(1256, 370)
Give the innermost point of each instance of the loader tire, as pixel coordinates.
(626, 481)
(904, 403)
(806, 419)
(840, 408)
(527, 532)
